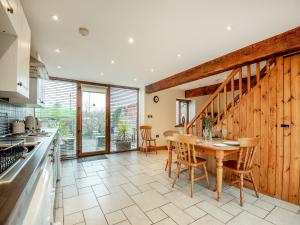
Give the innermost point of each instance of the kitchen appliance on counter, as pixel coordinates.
(30, 123)
(18, 127)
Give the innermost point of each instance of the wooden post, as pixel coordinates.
(219, 115)
(225, 100)
(257, 72)
(248, 78)
(212, 109)
(241, 82)
(232, 92)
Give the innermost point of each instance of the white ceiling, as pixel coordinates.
(161, 29)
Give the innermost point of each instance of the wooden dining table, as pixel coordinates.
(207, 148)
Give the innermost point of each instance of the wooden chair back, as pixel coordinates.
(168, 133)
(247, 153)
(185, 148)
(146, 132)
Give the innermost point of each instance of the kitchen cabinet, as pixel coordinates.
(15, 58)
(36, 94)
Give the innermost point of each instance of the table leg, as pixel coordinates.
(169, 157)
(219, 158)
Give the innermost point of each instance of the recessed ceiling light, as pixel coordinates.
(101, 74)
(57, 50)
(112, 62)
(130, 40)
(58, 67)
(134, 79)
(178, 55)
(55, 17)
(228, 27)
(151, 70)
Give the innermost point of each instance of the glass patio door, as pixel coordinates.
(93, 120)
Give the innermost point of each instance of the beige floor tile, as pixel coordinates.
(141, 179)
(100, 190)
(281, 216)
(68, 180)
(73, 218)
(115, 217)
(167, 221)
(115, 180)
(130, 189)
(156, 215)
(256, 211)
(232, 208)
(182, 199)
(208, 220)
(79, 203)
(70, 191)
(149, 200)
(126, 222)
(114, 202)
(195, 212)
(282, 204)
(246, 218)
(250, 198)
(85, 190)
(88, 181)
(160, 188)
(177, 214)
(136, 216)
(264, 205)
(214, 211)
(94, 216)
(90, 169)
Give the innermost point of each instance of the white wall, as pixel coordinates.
(163, 113)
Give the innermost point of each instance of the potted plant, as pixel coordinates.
(123, 141)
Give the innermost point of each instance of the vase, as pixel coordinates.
(207, 134)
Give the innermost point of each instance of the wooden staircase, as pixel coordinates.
(230, 93)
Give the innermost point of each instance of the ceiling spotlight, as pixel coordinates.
(151, 70)
(57, 50)
(55, 17)
(58, 67)
(228, 27)
(101, 74)
(130, 40)
(178, 55)
(112, 62)
(83, 31)
(134, 79)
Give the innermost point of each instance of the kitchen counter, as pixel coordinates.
(15, 196)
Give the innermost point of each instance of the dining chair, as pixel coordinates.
(169, 133)
(243, 165)
(147, 138)
(186, 155)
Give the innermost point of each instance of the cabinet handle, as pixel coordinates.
(285, 125)
(20, 84)
(10, 10)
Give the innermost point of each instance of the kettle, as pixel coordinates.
(30, 123)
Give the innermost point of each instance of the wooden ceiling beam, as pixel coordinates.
(280, 44)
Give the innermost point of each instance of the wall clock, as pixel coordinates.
(156, 99)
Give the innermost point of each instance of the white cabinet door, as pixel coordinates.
(11, 8)
(40, 211)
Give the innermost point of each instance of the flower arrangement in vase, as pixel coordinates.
(208, 123)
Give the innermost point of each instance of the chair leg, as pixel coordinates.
(254, 184)
(167, 164)
(155, 147)
(206, 176)
(177, 174)
(241, 189)
(146, 149)
(192, 180)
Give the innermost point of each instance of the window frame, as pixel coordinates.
(187, 102)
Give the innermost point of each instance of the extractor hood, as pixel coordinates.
(38, 69)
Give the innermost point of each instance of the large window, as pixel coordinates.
(123, 125)
(60, 111)
(182, 111)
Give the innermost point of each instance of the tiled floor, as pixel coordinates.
(130, 188)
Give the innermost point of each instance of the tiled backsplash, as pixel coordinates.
(14, 112)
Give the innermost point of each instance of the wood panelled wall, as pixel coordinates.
(271, 103)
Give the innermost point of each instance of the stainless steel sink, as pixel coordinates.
(12, 171)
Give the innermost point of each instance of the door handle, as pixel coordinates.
(285, 125)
